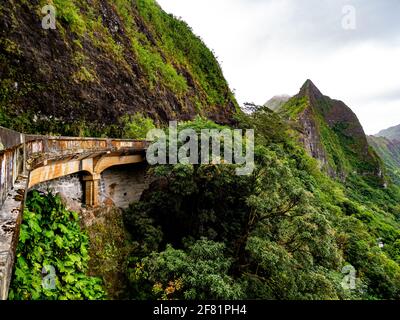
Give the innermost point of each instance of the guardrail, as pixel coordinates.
(11, 160)
(10, 138)
(59, 145)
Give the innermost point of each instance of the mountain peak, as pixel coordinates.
(331, 132)
(310, 89)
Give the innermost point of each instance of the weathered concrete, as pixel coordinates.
(70, 188)
(123, 185)
(10, 138)
(118, 186)
(11, 165)
(10, 219)
(33, 160)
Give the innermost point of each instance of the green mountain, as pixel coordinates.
(332, 133)
(277, 102)
(316, 206)
(392, 133)
(105, 59)
(389, 151)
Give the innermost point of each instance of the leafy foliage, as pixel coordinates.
(51, 236)
(110, 247)
(288, 229)
(137, 126)
(186, 49)
(199, 272)
(70, 14)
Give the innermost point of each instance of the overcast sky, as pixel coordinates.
(270, 47)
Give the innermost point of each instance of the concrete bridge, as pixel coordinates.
(30, 160)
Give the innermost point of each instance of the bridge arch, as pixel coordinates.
(58, 170)
(92, 167)
(28, 160)
(111, 161)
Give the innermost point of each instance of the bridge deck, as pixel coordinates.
(10, 216)
(29, 159)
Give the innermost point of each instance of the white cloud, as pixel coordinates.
(269, 47)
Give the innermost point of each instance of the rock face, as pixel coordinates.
(332, 133)
(311, 139)
(105, 59)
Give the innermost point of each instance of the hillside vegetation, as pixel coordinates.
(285, 232)
(389, 151)
(332, 133)
(106, 59)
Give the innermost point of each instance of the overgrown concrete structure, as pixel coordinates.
(29, 160)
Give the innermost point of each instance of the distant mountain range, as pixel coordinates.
(392, 133)
(389, 151)
(277, 101)
(387, 144)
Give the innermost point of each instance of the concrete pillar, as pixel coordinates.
(92, 185)
(23, 141)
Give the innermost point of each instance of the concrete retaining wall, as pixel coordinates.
(69, 187)
(122, 185)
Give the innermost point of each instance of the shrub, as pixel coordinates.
(51, 236)
(137, 126)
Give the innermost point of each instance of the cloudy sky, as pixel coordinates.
(270, 47)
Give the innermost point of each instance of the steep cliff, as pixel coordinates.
(105, 59)
(331, 133)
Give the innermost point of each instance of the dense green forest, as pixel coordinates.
(202, 232)
(285, 232)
